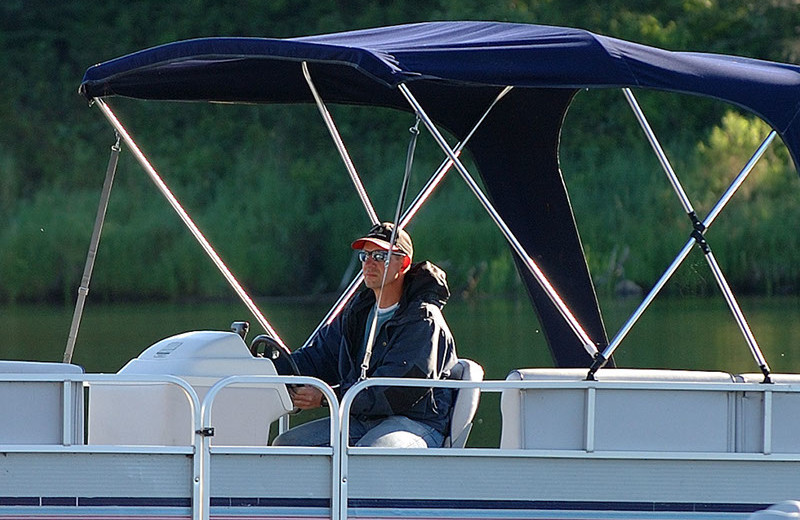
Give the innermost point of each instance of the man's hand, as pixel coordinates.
(306, 397)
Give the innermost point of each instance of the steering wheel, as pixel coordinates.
(265, 346)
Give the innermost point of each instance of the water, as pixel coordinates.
(500, 334)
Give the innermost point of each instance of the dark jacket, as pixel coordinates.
(415, 342)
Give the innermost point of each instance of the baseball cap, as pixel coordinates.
(381, 234)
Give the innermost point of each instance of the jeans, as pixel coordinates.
(396, 431)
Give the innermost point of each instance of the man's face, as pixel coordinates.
(373, 269)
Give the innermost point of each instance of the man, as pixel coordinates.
(411, 339)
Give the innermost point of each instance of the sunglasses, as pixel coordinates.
(378, 255)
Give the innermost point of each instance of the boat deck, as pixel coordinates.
(670, 444)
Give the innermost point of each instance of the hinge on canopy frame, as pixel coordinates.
(697, 236)
(698, 230)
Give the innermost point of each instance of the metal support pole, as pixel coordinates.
(587, 342)
(94, 242)
(739, 316)
(443, 168)
(662, 157)
(698, 234)
(337, 140)
(408, 215)
(601, 359)
(412, 145)
(187, 220)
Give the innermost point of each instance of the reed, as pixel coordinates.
(284, 229)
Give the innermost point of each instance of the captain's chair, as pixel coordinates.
(466, 403)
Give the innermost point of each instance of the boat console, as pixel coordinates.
(160, 413)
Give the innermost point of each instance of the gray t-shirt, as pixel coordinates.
(383, 317)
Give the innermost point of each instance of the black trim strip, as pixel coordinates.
(367, 503)
(19, 501)
(269, 502)
(135, 501)
(559, 505)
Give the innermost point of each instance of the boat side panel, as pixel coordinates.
(276, 476)
(647, 420)
(785, 422)
(96, 474)
(272, 485)
(563, 479)
(103, 485)
(32, 412)
(662, 420)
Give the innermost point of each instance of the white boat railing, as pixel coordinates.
(69, 405)
(768, 405)
(206, 448)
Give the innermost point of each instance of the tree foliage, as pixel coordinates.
(259, 178)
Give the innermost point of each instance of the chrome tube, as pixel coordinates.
(412, 145)
(337, 140)
(662, 157)
(587, 342)
(187, 220)
(719, 276)
(94, 242)
(626, 328)
(737, 314)
(426, 191)
(721, 203)
(409, 214)
(737, 182)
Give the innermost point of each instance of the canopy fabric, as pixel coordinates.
(455, 69)
(476, 53)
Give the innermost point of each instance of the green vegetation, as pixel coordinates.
(257, 178)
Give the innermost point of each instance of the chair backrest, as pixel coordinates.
(465, 404)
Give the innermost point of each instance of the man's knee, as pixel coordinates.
(314, 433)
(398, 439)
(401, 432)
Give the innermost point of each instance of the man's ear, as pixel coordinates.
(406, 262)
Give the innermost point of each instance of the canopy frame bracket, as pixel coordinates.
(340, 147)
(697, 236)
(94, 243)
(421, 198)
(544, 283)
